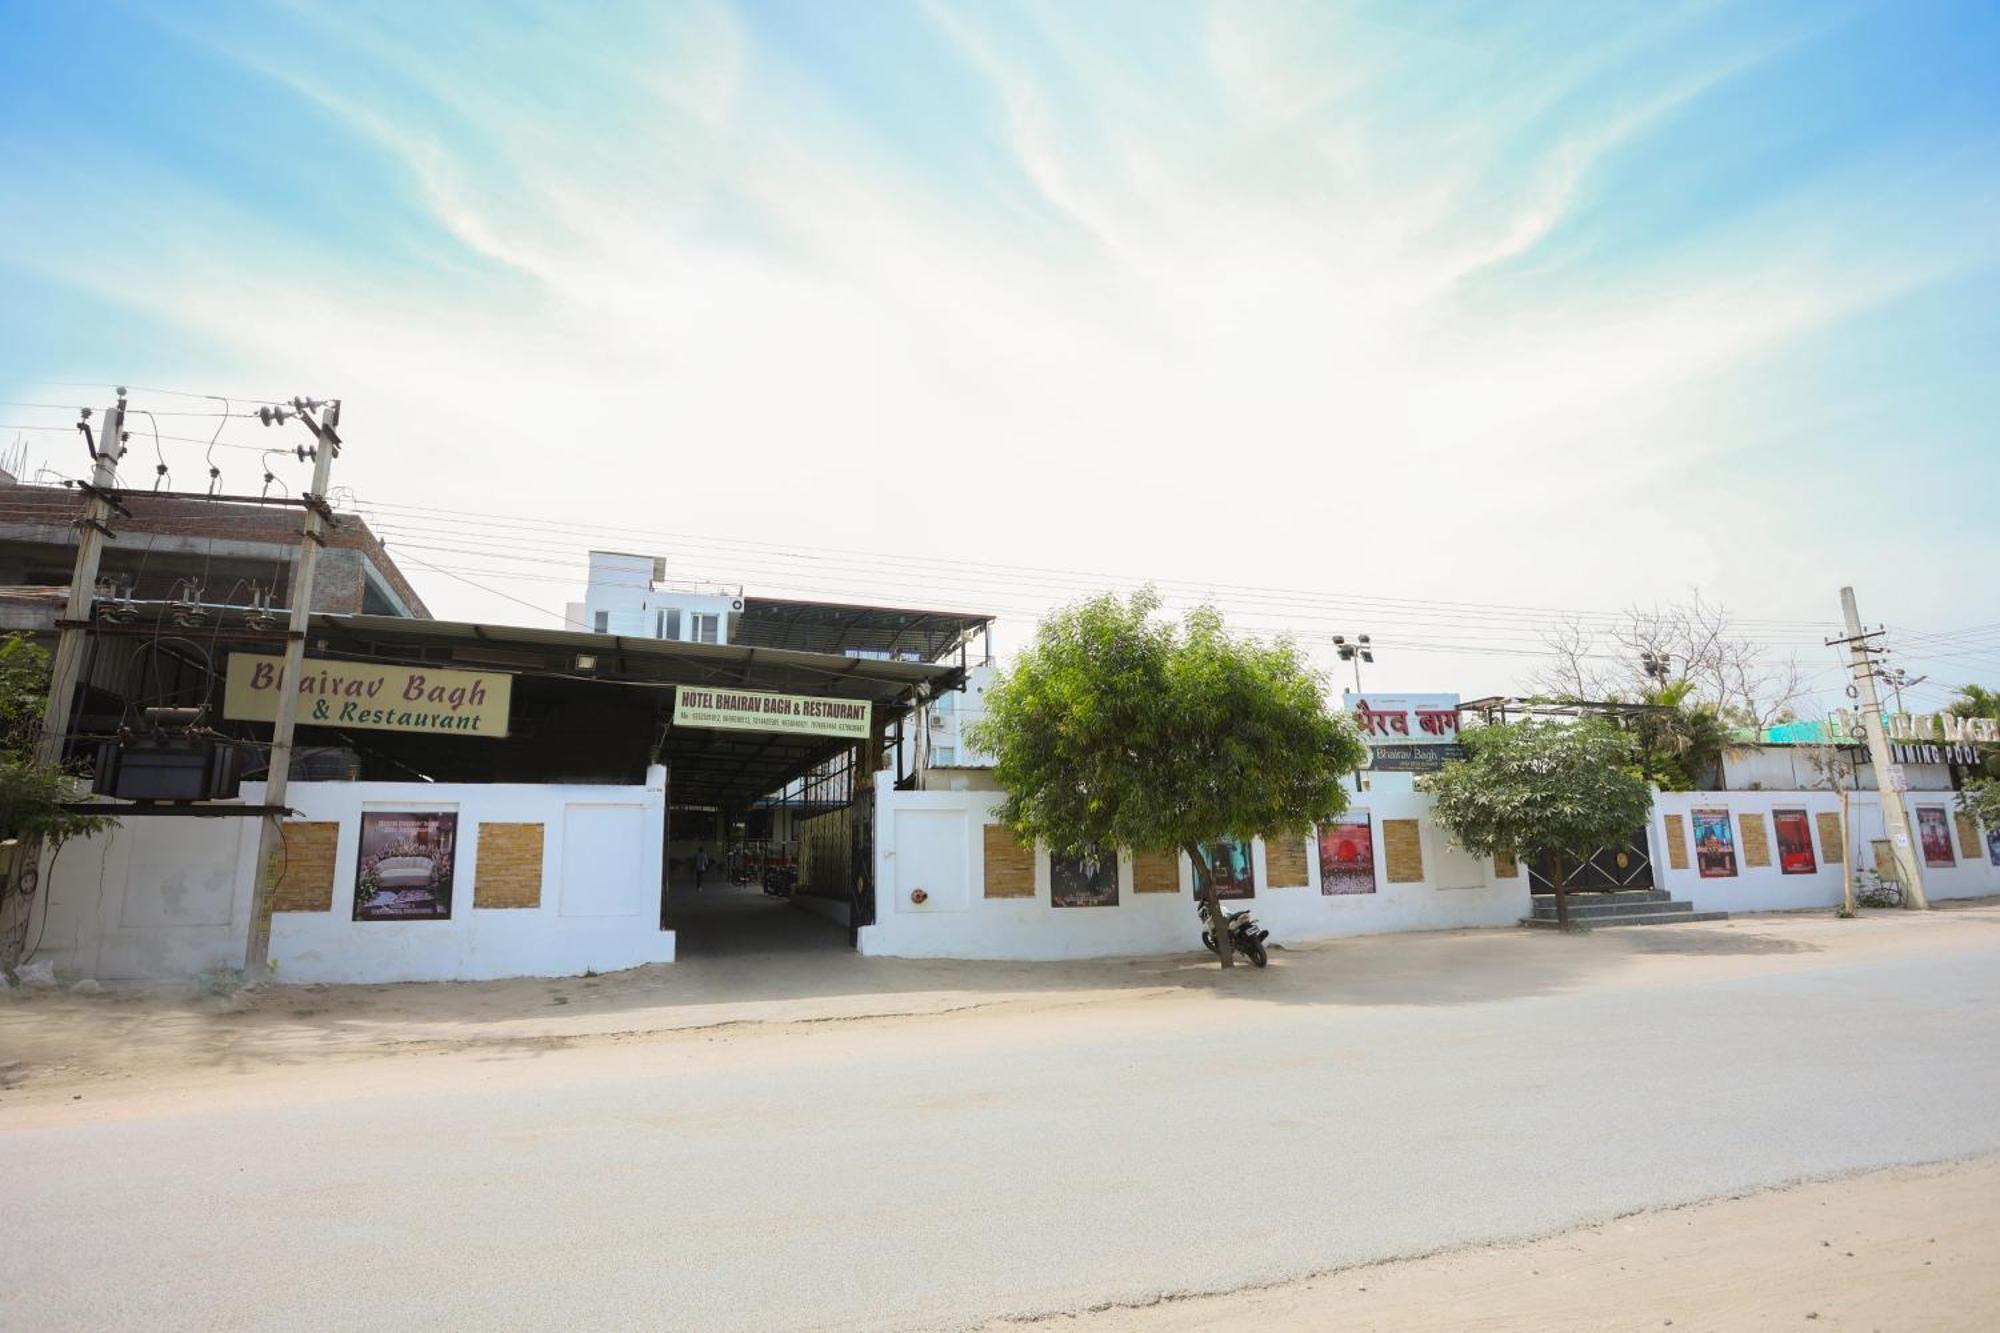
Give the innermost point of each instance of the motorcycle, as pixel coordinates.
(780, 881)
(1245, 935)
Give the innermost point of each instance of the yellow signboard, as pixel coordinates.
(372, 696)
(758, 710)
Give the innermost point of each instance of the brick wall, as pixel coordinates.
(303, 863)
(1285, 862)
(1010, 866)
(510, 866)
(1156, 872)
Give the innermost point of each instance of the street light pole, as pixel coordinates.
(1357, 652)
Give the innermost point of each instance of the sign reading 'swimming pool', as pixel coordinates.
(757, 710)
(372, 696)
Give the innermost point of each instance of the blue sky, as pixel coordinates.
(1557, 305)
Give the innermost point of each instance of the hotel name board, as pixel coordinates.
(372, 696)
(759, 710)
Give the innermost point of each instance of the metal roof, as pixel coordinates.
(619, 659)
(842, 627)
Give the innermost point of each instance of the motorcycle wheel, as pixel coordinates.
(1208, 941)
(1256, 953)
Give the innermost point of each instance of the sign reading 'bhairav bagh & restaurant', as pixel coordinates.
(757, 710)
(372, 696)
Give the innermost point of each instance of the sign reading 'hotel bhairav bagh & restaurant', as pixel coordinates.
(373, 696)
(756, 710)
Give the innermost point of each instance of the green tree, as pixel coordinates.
(1542, 788)
(1975, 701)
(1679, 750)
(1119, 729)
(1981, 800)
(32, 798)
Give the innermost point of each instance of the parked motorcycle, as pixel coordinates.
(1245, 935)
(781, 880)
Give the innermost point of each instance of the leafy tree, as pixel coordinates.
(32, 797)
(1680, 750)
(1981, 800)
(1119, 729)
(1975, 701)
(1542, 788)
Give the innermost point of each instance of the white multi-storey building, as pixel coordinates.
(630, 595)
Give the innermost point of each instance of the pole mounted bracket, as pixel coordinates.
(113, 498)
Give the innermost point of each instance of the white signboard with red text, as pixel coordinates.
(1406, 733)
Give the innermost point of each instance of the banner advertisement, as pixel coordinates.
(1714, 844)
(1795, 848)
(1935, 832)
(1347, 854)
(1406, 733)
(1230, 866)
(1083, 881)
(371, 696)
(404, 870)
(759, 710)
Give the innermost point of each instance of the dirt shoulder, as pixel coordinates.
(1910, 1248)
(130, 1039)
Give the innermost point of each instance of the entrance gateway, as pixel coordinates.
(483, 800)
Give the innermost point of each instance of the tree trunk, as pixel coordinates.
(1204, 890)
(1558, 873)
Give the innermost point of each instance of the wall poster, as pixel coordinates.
(1347, 854)
(1795, 848)
(404, 871)
(1090, 880)
(1230, 865)
(1714, 844)
(1936, 834)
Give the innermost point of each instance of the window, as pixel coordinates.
(670, 623)
(602, 622)
(704, 628)
(943, 756)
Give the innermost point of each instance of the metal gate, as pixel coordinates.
(1622, 865)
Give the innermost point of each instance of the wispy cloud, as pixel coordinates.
(1253, 294)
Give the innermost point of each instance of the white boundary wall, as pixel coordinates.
(168, 898)
(933, 841)
(1768, 888)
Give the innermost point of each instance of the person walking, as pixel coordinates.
(700, 866)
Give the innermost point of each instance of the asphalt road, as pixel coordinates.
(934, 1172)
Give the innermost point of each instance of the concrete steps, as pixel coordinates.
(1630, 907)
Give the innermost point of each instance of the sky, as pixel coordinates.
(1434, 322)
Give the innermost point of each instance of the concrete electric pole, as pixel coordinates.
(1895, 816)
(92, 529)
(257, 956)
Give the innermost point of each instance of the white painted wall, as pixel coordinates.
(170, 898)
(932, 840)
(1769, 889)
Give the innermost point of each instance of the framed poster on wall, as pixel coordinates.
(404, 870)
(1795, 848)
(1935, 831)
(1230, 865)
(1090, 880)
(1347, 854)
(1714, 844)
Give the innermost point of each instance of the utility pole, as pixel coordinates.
(92, 529)
(1895, 816)
(257, 956)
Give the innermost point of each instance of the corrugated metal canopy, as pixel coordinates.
(840, 627)
(619, 659)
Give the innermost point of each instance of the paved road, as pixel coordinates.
(931, 1172)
